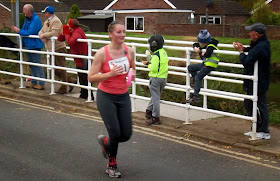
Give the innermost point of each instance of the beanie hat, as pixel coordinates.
(70, 23)
(204, 36)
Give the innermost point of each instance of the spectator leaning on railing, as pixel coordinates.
(71, 33)
(259, 50)
(53, 27)
(31, 26)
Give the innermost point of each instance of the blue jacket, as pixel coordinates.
(258, 50)
(31, 26)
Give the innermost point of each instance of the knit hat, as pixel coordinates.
(257, 27)
(48, 9)
(204, 36)
(70, 23)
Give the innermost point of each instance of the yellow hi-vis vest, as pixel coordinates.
(213, 60)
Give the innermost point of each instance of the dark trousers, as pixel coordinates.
(115, 110)
(83, 79)
(262, 113)
(198, 77)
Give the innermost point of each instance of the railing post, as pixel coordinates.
(20, 64)
(48, 63)
(52, 66)
(89, 99)
(205, 96)
(188, 53)
(133, 83)
(255, 101)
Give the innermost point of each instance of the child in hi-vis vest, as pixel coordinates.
(158, 66)
(210, 61)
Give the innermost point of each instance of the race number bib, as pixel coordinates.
(122, 62)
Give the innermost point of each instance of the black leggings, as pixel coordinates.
(115, 110)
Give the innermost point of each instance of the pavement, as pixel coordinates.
(226, 131)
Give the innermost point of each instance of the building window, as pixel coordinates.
(135, 24)
(211, 20)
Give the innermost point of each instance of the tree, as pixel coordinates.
(263, 14)
(74, 12)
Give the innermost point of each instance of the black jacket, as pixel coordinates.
(258, 50)
(209, 50)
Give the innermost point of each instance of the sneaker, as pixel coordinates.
(248, 133)
(113, 171)
(148, 114)
(38, 87)
(153, 120)
(101, 140)
(193, 99)
(262, 135)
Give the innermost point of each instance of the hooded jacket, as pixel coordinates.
(258, 51)
(77, 48)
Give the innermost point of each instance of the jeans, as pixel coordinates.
(36, 71)
(198, 77)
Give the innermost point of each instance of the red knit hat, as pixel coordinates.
(70, 23)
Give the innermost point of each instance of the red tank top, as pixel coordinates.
(117, 84)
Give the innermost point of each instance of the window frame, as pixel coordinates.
(212, 19)
(134, 18)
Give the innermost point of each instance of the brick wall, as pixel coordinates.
(5, 17)
(275, 6)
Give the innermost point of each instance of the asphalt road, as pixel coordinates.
(41, 144)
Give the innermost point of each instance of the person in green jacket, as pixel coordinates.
(158, 66)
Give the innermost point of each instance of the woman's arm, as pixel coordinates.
(132, 62)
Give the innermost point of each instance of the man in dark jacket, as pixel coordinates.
(259, 50)
(32, 25)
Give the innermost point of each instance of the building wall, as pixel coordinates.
(152, 20)
(230, 19)
(6, 21)
(275, 6)
(234, 31)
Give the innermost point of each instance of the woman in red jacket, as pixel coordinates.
(71, 33)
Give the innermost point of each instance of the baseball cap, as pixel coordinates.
(257, 27)
(48, 9)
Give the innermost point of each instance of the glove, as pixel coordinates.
(66, 30)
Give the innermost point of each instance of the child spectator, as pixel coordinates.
(210, 61)
(158, 66)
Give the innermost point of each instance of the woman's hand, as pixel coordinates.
(116, 70)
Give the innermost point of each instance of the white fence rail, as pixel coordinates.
(173, 70)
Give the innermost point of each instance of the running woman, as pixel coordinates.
(113, 61)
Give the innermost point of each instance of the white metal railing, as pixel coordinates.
(173, 70)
